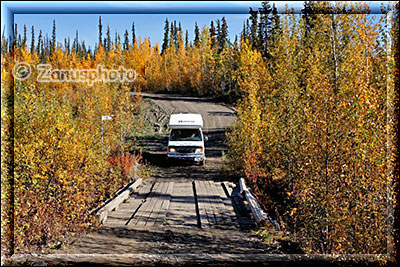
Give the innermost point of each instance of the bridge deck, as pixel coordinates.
(202, 204)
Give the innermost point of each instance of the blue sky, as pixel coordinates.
(146, 25)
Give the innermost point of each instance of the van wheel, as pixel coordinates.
(203, 162)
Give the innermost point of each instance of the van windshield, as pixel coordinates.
(185, 135)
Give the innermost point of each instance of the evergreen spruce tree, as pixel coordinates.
(53, 38)
(33, 40)
(46, 46)
(196, 35)
(19, 42)
(100, 33)
(244, 31)
(24, 38)
(15, 35)
(166, 36)
(212, 35)
(266, 27)
(171, 35)
(65, 45)
(218, 31)
(308, 15)
(108, 46)
(276, 25)
(133, 34)
(39, 44)
(83, 50)
(175, 34)
(253, 27)
(187, 39)
(223, 40)
(69, 46)
(126, 40)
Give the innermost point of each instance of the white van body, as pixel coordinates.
(186, 139)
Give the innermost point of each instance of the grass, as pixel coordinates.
(148, 100)
(270, 236)
(146, 171)
(150, 136)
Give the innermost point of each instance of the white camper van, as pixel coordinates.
(186, 139)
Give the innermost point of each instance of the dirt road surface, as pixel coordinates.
(218, 118)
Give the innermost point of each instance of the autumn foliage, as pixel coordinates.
(125, 163)
(61, 171)
(314, 128)
(314, 96)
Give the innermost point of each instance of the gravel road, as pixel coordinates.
(217, 117)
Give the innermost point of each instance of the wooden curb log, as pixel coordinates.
(101, 214)
(259, 215)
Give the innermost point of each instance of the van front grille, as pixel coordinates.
(186, 150)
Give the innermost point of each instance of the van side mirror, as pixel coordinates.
(205, 138)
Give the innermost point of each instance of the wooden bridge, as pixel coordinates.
(202, 204)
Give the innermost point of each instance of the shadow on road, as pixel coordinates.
(122, 240)
(174, 97)
(155, 148)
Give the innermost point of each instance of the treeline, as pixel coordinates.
(315, 126)
(204, 66)
(66, 160)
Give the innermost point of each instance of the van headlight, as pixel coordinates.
(171, 149)
(199, 150)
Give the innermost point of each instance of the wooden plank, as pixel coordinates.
(165, 205)
(202, 206)
(155, 213)
(210, 205)
(142, 212)
(114, 222)
(153, 200)
(182, 209)
(131, 203)
(220, 206)
(229, 208)
(225, 199)
(103, 212)
(219, 191)
(228, 187)
(215, 201)
(120, 214)
(127, 209)
(207, 214)
(94, 211)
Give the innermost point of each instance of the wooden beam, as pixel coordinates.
(102, 214)
(259, 215)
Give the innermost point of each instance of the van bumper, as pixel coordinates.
(192, 157)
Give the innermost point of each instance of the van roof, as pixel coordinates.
(185, 121)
